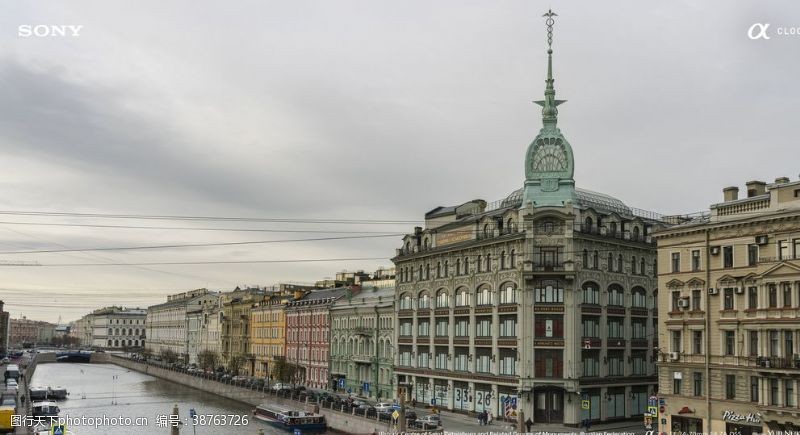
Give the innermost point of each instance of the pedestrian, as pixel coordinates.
(480, 418)
(529, 424)
(489, 417)
(414, 402)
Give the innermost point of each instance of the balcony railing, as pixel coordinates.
(548, 266)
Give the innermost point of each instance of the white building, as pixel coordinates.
(114, 328)
(167, 323)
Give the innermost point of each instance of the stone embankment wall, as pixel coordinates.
(339, 421)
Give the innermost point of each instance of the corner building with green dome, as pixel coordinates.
(542, 304)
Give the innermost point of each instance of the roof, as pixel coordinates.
(321, 296)
(586, 199)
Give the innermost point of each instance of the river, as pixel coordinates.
(107, 390)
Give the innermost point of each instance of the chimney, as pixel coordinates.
(730, 193)
(755, 188)
(782, 180)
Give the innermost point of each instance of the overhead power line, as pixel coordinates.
(170, 263)
(196, 245)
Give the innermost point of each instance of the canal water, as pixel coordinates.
(107, 391)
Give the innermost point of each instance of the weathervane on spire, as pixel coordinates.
(549, 22)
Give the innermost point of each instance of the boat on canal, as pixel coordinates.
(57, 393)
(38, 392)
(291, 420)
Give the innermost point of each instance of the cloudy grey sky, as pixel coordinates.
(374, 110)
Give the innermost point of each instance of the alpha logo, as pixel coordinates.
(47, 30)
(758, 31)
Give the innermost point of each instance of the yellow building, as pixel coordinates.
(729, 357)
(268, 328)
(234, 325)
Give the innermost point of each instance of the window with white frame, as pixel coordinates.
(484, 296)
(508, 326)
(424, 301)
(483, 326)
(424, 328)
(405, 327)
(441, 299)
(591, 293)
(462, 326)
(442, 327)
(462, 297)
(508, 294)
(405, 301)
(549, 292)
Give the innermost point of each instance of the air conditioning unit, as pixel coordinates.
(674, 356)
(715, 250)
(739, 290)
(713, 291)
(762, 240)
(683, 303)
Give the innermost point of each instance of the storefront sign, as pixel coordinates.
(747, 418)
(454, 236)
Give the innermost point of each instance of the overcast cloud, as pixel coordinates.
(357, 110)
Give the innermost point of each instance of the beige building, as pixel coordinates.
(235, 327)
(730, 304)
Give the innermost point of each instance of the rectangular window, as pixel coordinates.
(483, 364)
(508, 295)
(697, 342)
(695, 260)
(508, 365)
(783, 250)
(462, 327)
(423, 359)
(774, 343)
(730, 386)
(638, 328)
(461, 360)
(752, 297)
(639, 363)
(752, 255)
(424, 328)
(616, 327)
(753, 389)
(483, 327)
(591, 363)
(442, 327)
(591, 326)
(676, 341)
(676, 262)
(696, 294)
(549, 292)
(788, 389)
(728, 301)
(405, 328)
(773, 392)
(773, 295)
(727, 256)
(441, 358)
(753, 343)
(549, 363)
(616, 364)
(549, 326)
(591, 295)
(676, 297)
(698, 384)
(788, 340)
(676, 386)
(796, 243)
(730, 343)
(508, 326)
(787, 294)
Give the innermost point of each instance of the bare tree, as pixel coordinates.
(208, 359)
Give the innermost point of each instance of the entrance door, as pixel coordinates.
(549, 406)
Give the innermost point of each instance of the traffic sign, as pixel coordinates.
(192, 413)
(365, 387)
(585, 404)
(661, 401)
(652, 410)
(58, 430)
(298, 432)
(395, 415)
(341, 382)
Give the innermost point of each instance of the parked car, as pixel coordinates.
(431, 421)
(384, 407)
(11, 382)
(278, 386)
(6, 360)
(411, 416)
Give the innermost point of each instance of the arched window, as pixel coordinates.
(619, 263)
(488, 262)
(638, 298)
(612, 229)
(508, 293)
(610, 264)
(462, 297)
(405, 301)
(502, 259)
(408, 247)
(591, 293)
(426, 242)
(466, 265)
(484, 296)
(438, 269)
(585, 259)
(424, 300)
(595, 260)
(420, 275)
(635, 233)
(633, 264)
(588, 225)
(479, 264)
(513, 259)
(510, 225)
(441, 298)
(110, 332)
(458, 266)
(485, 230)
(446, 268)
(427, 271)
(641, 266)
(616, 295)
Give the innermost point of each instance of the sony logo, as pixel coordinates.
(45, 30)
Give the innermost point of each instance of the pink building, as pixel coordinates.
(308, 330)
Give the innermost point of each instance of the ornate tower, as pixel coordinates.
(549, 164)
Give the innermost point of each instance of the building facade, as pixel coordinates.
(729, 359)
(362, 343)
(5, 326)
(167, 323)
(235, 319)
(541, 303)
(116, 328)
(308, 334)
(30, 332)
(196, 315)
(268, 328)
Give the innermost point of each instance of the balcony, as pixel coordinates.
(548, 266)
(362, 331)
(619, 235)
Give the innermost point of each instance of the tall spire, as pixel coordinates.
(549, 104)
